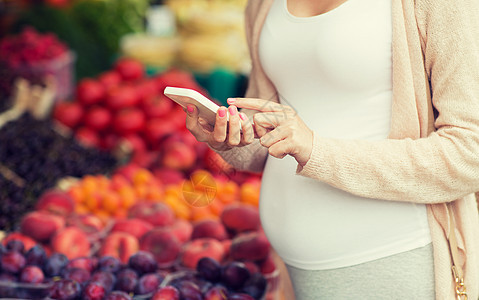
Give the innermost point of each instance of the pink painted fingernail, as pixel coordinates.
(233, 110)
(231, 100)
(190, 108)
(222, 112)
(243, 116)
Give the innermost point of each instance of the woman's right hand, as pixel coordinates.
(225, 134)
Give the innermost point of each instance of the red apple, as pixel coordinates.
(182, 229)
(110, 79)
(72, 242)
(41, 226)
(147, 89)
(68, 113)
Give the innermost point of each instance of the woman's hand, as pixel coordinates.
(225, 134)
(280, 128)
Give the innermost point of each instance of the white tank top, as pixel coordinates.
(335, 69)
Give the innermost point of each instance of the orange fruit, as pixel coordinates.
(76, 192)
(127, 196)
(93, 201)
(249, 193)
(202, 213)
(81, 209)
(111, 202)
(229, 192)
(142, 177)
(216, 207)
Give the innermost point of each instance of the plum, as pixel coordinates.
(255, 286)
(234, 275)
(32, 274)
(240, 296)
(104, 278)
(189, 291)
(55, 264)
(109, 264)
(65, 289)
(36, 256)
(148, 283)
(166, 293)
(12, 262)
(94, 291)
(87, 263)
(77, 274)
(217, 293)
(118, 295)
(143, 262)
(209, 269)
(126, 280)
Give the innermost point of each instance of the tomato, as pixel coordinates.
(129, 69)
(157, 107)
(122, 97)
(129, 121)
(68, 113)
(87, 137)
(98, 118)
(90, 91)
(109, 79)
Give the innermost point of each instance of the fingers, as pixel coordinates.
(273, 137)
(280, 149)
(234, 134)
(256, 104)
(221, 125)
(193, 125)
(248, 132)
(270, 119)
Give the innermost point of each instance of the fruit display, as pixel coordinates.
(34, 56)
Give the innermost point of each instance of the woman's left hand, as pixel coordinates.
(279, 128)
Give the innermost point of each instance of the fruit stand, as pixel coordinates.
(104, 193)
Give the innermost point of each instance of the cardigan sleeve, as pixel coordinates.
(441, 167)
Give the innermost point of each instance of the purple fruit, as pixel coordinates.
(126, 280)
(93, 291)
(240, 296)
(55, 264)
(87, 263)
(77, 274)
(32, 274)
(189, 291)
(2, 249)
(118, 295)
(109, 264)
(217, 292)
(105, 278)
(12, 262)
(15, 245)
(209, 269)
(36, 256)
(255, 286)
(8, 277)
(143, 262)
(65, 289)
(147, 283)
(167, 292)
(234, 275)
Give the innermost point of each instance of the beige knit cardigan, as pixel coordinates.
(426, 159)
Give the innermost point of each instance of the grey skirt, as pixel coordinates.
(404, 276)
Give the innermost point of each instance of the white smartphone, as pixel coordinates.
(207, 108)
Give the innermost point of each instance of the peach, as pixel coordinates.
(155, 213)
(41, 226)
(72, 242)
(169, 176)
(56, 201)
(135, 227)
(163, 244)
(194, 250)
(89, 223)
(240, 217)
(182, 229)
(250, 246)
(209, 229)
(120, 245)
